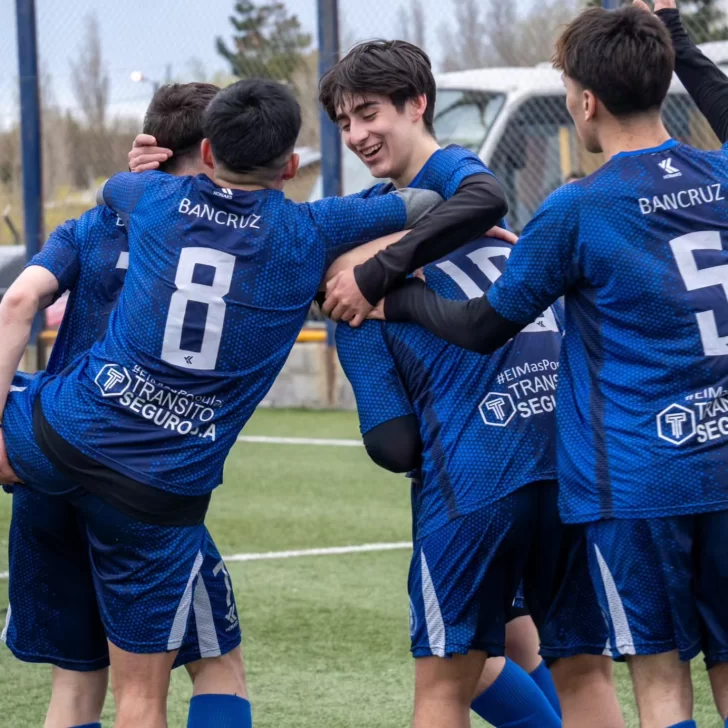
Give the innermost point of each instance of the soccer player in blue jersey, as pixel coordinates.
(61, 625)
(382, 94)
(222, 271)
(638, 251)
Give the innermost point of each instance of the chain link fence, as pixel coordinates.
(100, 62)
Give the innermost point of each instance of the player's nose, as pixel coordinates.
(358, 135)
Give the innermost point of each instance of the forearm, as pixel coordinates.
(703, 80)
(16, 320)
(473, 324)
(359, 255)
(477, 206)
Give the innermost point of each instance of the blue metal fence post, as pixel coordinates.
(328, 31)
(30, 130)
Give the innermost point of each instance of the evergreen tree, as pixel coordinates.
(268, 42)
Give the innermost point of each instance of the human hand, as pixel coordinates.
(146, 155)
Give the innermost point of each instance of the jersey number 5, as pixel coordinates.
(696, 278)
(197, 308)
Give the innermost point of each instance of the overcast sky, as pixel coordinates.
(149, 35)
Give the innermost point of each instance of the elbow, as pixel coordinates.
(399, 458)
(500, 205)
(19, 304)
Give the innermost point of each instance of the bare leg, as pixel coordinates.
(76, 697)
(491, 671)
(586, 692)
(719, 682)
(223, 675)
(662, 688)
(141, 684)
(445, 688)
(523, 644)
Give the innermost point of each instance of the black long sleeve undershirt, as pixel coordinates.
(478, 204)
(395, 445)
(473, 324)
(703, 80)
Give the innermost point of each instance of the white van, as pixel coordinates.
(516, 120)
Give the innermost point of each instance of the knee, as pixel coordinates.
(224, 674)
(581, 672)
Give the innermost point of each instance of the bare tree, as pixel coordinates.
(464, 43)
(411, 25)
(89, 78)
(495, 35)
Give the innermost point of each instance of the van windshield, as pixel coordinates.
(465, 117)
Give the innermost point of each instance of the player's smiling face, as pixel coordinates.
(382, 136)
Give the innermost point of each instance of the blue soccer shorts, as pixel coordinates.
(465, 577)
(81, 571)
(660, 584)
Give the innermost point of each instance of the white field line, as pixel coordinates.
(364, 548)
(331, 551)
(299, 441)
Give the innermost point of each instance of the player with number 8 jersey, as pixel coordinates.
(219, 284)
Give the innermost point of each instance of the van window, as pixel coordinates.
(540, 146)
(465, 117)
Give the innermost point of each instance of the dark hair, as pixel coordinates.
(253, 125)
(396, 69)
(174, 119)
(625, 57)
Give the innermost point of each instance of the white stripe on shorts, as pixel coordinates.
(622, 633)
(4, 634)
(206, 632)
(433, 615)
(179, 626)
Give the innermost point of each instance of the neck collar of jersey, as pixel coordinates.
(669, 144)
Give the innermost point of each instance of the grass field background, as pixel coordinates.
(326, 637)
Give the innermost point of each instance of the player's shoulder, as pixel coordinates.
(454, 157)
(99, 220)
(570, 196)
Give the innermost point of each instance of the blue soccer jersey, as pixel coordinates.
(487, 424)
(638, 249)
(89, 257)
(219, 285)
(443, 173)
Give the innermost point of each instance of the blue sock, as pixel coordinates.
(88, 725)
(219, 711)
(684, 724)
(514, 699)
(542, 677)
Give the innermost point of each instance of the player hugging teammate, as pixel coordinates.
(616, 545)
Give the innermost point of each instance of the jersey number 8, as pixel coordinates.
(205, 322)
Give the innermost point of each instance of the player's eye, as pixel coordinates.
(370, 117)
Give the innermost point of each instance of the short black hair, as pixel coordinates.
(174, 119)
(625, 57)
(395, 69)
(253, 126)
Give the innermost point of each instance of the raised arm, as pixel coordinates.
(703, 80)
(32, 291)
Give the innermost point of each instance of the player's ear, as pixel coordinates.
(590, 105)
(291, 168)
(417, 107)
(206, 152)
